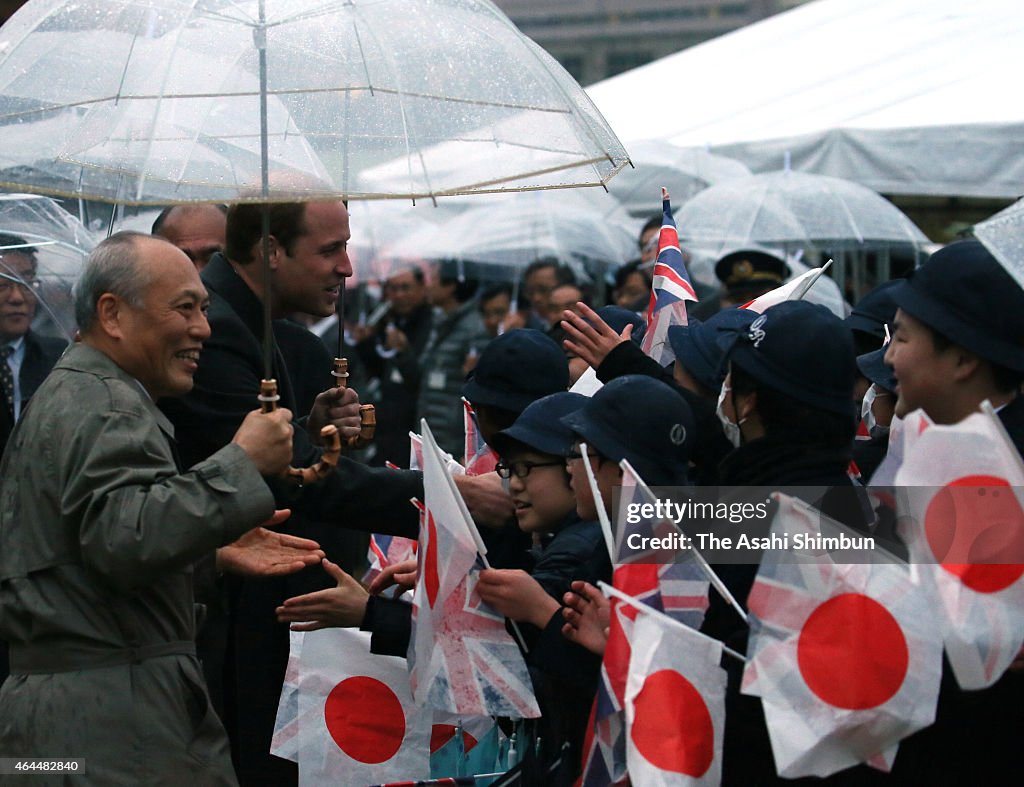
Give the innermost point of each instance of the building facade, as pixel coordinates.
(595, 39)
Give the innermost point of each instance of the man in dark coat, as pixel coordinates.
(26, 356)
(308, 265)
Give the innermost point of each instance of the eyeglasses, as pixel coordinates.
(8, 283)
(522, 469)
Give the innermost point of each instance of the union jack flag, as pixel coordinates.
(461, 658)
(670, 290)
(479, 457)
(386, 550)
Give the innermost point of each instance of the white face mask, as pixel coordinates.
(731, 430)
(875, 429)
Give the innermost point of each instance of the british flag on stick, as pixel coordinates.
(670, 289)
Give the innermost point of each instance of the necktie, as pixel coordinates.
(7, 378)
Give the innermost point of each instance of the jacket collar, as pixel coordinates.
(221, 277)
(83, 358)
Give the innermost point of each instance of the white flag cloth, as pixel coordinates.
(791, 290)
(903, 433)
(357, 721)
(846, 658)
(675, 706)
(587, 384)
(461, 658)
(285, 742)
(959, 490)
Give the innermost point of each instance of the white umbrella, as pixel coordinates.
(1003, 235)
(683, 171)
(794, 211)
(164, 101)
(512, 232)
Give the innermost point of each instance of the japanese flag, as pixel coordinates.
(675, 706)
(959, 488)
(845, 657)
(357, 720)
(792, 290)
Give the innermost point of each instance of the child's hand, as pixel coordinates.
(516, 595)
(402, 574)
(343, 605)
(587, 614)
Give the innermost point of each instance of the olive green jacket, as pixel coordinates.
(98, 532)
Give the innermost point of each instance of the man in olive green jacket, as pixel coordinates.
(99, 528)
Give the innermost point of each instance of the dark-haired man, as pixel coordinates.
(308, 263)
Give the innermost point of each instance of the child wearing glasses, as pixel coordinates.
(533, 458)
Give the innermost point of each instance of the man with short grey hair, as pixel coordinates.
(100, 526)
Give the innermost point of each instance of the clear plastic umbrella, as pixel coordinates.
(39, 227)
(166, 101)
(794, 211)
(684, 171)
(507, 234)
(1003, 235)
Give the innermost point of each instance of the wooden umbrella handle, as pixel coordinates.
(268, 399)
(367, 413)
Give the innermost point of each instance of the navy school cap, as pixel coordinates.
(696, 344)
(618, 318)
(515, 369)
(872, 365)
(875, 310)
(802, 350)
(540, 425)
(642, 420)
(963, 293)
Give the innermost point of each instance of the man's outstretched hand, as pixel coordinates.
(263, 553)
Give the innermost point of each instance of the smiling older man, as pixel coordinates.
(100, 526)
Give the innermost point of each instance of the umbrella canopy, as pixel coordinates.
(59, 242)
(683, 171)
(509, 233)
(798, 212)
(1003, 235)
(795, 208)
(167, 101)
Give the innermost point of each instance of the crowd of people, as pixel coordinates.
(140, 476)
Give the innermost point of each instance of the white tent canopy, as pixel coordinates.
(903, 96)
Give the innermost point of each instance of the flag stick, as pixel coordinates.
(602, 515)
(798, 295)
(709, 572)
(608, 590)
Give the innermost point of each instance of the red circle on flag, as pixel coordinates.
(430, 578)
(976, 532)
(365, 719)
(852, 652)
(672, 726)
